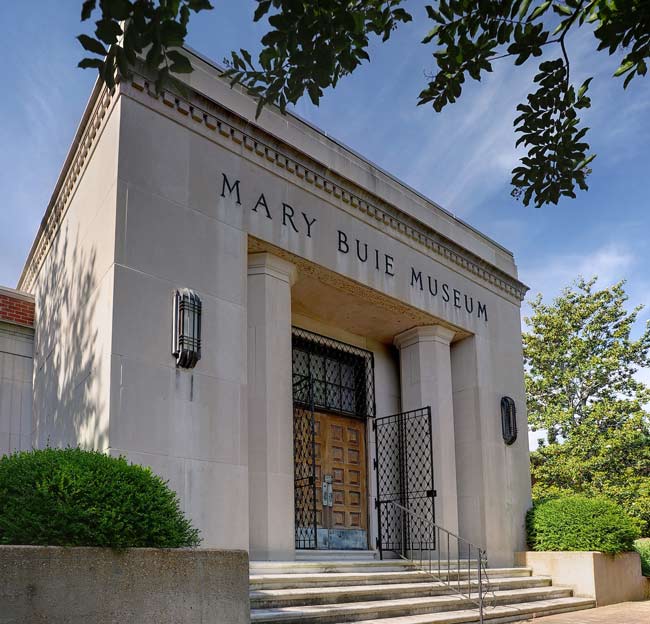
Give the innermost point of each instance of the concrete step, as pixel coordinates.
(275, 598)
(336, 555)
(495, 615)
(299, 567)
(380, 609)
(340, 579)
(347, 565)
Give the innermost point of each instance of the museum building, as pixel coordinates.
(300, 343)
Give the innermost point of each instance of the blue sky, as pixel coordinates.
(460, 158)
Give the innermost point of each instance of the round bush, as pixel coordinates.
(72, 497)
(580, 523)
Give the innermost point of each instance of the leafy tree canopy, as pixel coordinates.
(581, 387)
(310, 46)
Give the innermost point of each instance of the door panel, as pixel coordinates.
(341, 456)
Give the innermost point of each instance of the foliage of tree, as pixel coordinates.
(581, 387)
(310, 46)
(72, 497)
(576, 522)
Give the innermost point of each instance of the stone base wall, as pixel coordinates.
(609, 579)
(145, 585)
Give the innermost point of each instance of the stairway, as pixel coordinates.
(394, 592)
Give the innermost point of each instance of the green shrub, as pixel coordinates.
(642, 546)
(580, 523)
(71, 497)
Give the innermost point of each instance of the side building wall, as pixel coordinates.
(72, 285)
(16, 366)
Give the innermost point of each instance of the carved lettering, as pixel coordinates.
(287, 214)
(383, 262)
(389, 265)
(343, 242)
(365, 253)
(416, 278)
(262, 202)
(231, 187)
(309, 223)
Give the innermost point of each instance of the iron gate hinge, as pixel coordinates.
(432, 493)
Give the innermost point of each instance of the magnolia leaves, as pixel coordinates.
(127, 29)
(311, 46)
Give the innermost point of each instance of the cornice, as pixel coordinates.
(197, 109)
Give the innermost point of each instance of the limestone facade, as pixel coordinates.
(274, 225)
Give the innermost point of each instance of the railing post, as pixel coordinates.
(416, 529)
(480, 585)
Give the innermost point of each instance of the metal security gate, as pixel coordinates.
(404, 468)
(304, 450)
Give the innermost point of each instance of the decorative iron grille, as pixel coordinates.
(331, 376)
(342, 375)
(404, 467)
(304, 454)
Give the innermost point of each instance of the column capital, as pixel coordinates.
(424, 333)
(265, 263)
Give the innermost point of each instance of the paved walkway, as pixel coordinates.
(624, 613)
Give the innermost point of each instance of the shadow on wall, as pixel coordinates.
(69, 372)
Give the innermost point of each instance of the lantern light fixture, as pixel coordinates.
(186, 328)
(508, 420)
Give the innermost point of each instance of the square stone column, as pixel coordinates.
(425, 367)
(270, 407)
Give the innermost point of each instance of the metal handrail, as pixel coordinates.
(434, 533)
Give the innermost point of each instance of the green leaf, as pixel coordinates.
(91, 62)
(624, 68)
(108, 30)
(91, 44)
(542, 8)
(261, 10)
(523, 9)
(180, 63)
(562, 9)
(87, 8)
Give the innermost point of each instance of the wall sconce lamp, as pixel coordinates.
(186, 328)
(508, 420)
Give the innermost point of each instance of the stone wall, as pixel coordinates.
(609, 579)
(145, 585)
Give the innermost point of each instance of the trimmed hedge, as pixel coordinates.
(642, 546)
(580, 523)
(72, 497)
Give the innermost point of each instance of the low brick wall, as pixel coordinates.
(139, 586)
(609, 579)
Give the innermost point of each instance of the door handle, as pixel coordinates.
(328, 496)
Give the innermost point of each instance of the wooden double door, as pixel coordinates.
(341, 481)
